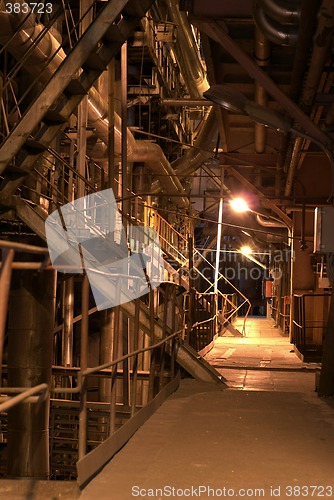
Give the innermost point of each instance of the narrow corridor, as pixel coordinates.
(273, 438)
(263, 359)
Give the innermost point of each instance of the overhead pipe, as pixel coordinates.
(281, 11)
(307, 26)
(262, 53)
(322, 44)
(202, 150)
(187, 51)
(22, 33)
(270, 223)
(275, 32)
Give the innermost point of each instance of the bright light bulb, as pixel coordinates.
(246, 250)
(239, 205)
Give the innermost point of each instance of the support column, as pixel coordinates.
(106, 351)
(30, 343)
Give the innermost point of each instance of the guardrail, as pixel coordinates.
(310, 314)
(139, 372)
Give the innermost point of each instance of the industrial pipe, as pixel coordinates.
(20, 33)
(275, 32)
(281, 11)
(322, 44)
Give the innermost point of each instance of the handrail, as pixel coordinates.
(98, 368)
(95, 369)
(15, 400)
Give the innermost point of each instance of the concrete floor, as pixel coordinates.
(267, 435)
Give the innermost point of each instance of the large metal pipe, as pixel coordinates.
(275, 32)
(30, 342)
(262, 52)
(187, 51)
(20, 33)
(322, 44)
(202, 150)
(281, 11)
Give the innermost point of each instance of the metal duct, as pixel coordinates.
(270, 223)
(202, 150)
(262, 53)
(137, 151)
(275, 32)
(20, 33)
(187, 52)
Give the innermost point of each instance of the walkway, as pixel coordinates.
(267, 436)
(272, 438)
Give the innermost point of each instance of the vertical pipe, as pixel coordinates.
(68, 312)
(106, 351)
(5, 278)
(111, 124)
(83, 366)
(219, 233)
(124, 162)
(191, 305)
(83, 107)
(151, 382)
(126, 362)
(135, 363)
(30, 343)
(112, 420)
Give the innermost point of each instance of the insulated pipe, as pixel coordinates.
(23, 32)
(187, 51)
(202, 150)
(270, 223)
(262, 52)
(137, 151)
(281, 11)
(322, 44)
(274, 31)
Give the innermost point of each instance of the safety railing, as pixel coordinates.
(228, 305)
(310, 314)
(139, 369)
(173, 243)
(38, 35)
(204, 320)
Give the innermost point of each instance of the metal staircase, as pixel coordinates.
(62, 94)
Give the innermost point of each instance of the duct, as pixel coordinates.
(137, 151)
(322, 44)
(270, 223)
(22, 33)
(214, 8)
(202, 150)
(281, 11)
(262, 55)
(187, 52)
(275, 32)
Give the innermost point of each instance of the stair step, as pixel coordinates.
(75, 88)
(94, 62)
(15, 172)
(114, 34)
(53, 117)
(34, 147)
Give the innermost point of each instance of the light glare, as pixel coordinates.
(239, 205)
(246, 250)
